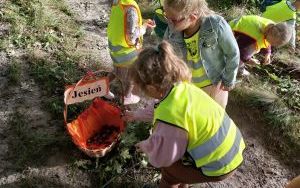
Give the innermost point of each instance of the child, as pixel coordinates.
(284, 11)
(125, 34)
(207, 44)
(186, 121)
(257, 34)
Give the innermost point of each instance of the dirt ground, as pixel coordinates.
(262, 166)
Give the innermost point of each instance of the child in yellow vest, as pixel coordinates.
(284, 11)
(194, 140)
(207, 44)
(255, 34)
(125, 35)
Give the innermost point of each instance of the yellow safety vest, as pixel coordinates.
(253, 27)
(122, 53)
(214, 141)
(280, 12)
(194, 60)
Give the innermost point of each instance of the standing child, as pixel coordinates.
(187, 123)
(256, 34)
(207, 44)
(284, 11)
(125, 36)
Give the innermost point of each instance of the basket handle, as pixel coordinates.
(89, 75)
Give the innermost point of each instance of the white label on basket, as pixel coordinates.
(87, 91)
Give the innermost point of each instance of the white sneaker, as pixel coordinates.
(132, 99)
(245, 73)
(109, 96)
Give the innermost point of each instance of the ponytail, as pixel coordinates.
(159, 67)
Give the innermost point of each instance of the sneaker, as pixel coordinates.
(132, 99)
(243, 73)
(109, 96)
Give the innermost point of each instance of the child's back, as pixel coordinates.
(253, 27)
(122, 50)
(280, 12)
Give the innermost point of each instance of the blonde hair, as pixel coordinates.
(199, 7)
(280, 31)
(159, 67)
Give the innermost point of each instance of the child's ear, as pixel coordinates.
(194, 17)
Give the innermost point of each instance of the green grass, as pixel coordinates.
(27, 146)
(283, 119)
(14, 72)
(48, 33)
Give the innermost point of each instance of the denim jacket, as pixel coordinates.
(218, 48)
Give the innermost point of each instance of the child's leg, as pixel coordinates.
(177, 175)
(123, 73)
(111, 77)
(246, 54)
(292, 42)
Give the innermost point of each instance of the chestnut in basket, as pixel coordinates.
(103, 138)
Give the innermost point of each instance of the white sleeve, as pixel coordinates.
(133, 31)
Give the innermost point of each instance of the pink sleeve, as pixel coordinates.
(165, 146)
(145, 114)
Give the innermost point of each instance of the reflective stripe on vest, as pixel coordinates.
(194, 61)
(280, 12)
(252, 26)
(227, 158)
(214, 142)
(124, 59)
(121, 52)
(121, 56)
(114, 48)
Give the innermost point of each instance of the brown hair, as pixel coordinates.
(159, 67)
(199, 7)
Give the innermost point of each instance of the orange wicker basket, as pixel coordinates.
(93, 120)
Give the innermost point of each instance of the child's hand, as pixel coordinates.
(253, 62)
(128, 116)
(149, 24)
(225, 88)
(142, 114)
(138, 148)
(267, 60)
